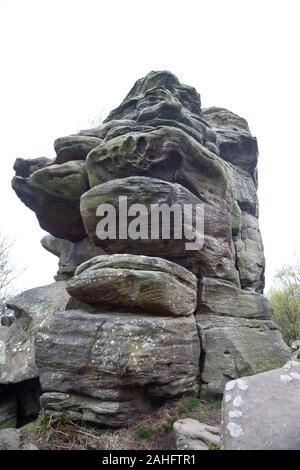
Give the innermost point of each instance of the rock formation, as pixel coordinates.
(129, 322)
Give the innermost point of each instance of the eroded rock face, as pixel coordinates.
(238, 336)
(215, 258)
(148, 284)
(74, 147)
(70, 255)
(31, 308)
(236, 144)
(123, 362)
(262, 412)
(128, 335)
(233, 347)
(53, 193)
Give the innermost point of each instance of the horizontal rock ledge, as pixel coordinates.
(150, 284)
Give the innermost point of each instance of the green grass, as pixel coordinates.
(187, 404)
(144, 432)
(214, 405)
(212, 446)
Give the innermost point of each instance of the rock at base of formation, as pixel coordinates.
(13, 439)
(19, 383)
(135, 320)
(262, 412)
(190, 434)
(238, 336)
(107, 368)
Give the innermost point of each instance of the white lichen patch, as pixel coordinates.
(238, 401)
(285, 378)
(235, 429)
(227, 397)
(242, 384)
(230, 385)
(295, 375)
(235, 414)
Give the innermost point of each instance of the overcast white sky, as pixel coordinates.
(64, 62)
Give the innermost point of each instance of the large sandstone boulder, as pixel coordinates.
(215, 258)
(262, 412)
(106, 368)
(148, 284)
(238, 336)
(53, 193)
(31, 308)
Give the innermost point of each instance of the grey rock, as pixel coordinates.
(7, 317)
(149, 284)
(250, 259)
(236, 144)
(53, 193)
(74, 147)
(31, 308)
(71, 255)
(216, 258)
(224, 298)
(14, 439)
(262, 412)
(122, 363)
(244, 189)
(25, 167)
(190, 434)
(233, 347)
(10, 439)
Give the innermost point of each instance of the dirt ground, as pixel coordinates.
(151, 432)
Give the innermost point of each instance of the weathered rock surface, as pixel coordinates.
(53, 193)
(236, 143)
(71, 255)
(216, 258)
(107, 368)
(191, 434)
(74, 147)
(225, 299)
(250, 258)
(262, 412)
(31, 308)
(7, 317)
(25, 167)
(14, 439)
(233, 347)
(148, 284)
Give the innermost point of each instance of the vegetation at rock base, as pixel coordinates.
(150, 432)
(285, 300)
(212, 446)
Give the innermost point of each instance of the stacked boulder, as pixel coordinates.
(146, 319)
